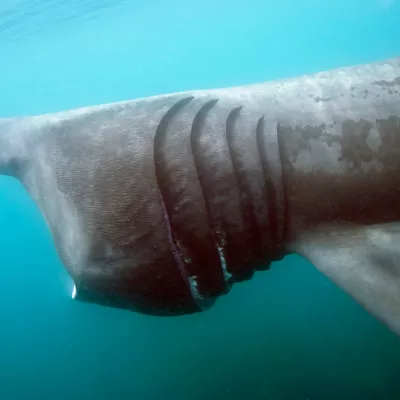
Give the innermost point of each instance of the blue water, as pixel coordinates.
(288, 334)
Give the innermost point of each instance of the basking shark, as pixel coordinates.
(161, 204)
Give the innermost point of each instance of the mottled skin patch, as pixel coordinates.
(394, 82)
(389, 150)
(353, 141)
(300, 138)
(321, 99)
(393, 86)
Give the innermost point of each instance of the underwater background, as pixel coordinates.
(287, 334)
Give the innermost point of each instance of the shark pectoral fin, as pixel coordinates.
(364, 261)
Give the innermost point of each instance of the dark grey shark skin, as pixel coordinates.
(159, 205)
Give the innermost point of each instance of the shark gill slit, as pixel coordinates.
(251, 233)
(283, 226)
(269, 192)
(274, 191)
(196, 131)
(159, 141)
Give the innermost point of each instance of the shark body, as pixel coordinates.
(160, 204)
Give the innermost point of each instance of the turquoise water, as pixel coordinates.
(288, 334)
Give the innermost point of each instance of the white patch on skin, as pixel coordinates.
(73, 292)
(374, 140)
(194, 288)
(227, 275)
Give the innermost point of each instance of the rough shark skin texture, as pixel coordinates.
(160, 204)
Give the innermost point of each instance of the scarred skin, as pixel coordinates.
(160, 204)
